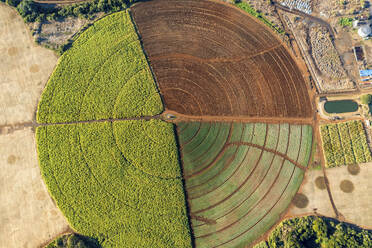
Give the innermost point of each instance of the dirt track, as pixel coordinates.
(245, 119)
(210, 58)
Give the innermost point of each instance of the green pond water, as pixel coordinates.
(343, 106)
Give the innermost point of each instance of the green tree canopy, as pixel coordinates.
(366, 99)
(316, 232)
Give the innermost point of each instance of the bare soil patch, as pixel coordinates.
(11, 159)
(58, 32)
(300, 200)
(210, 58)
(353, 169)
(34, 68)
(320, 182)
(12, 51)
(347, 186)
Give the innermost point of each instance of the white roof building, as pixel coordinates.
(364, 31)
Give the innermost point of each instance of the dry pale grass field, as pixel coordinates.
(28, 215)
(351, 189)
(24, 69)
(352, 193)
(312, 196)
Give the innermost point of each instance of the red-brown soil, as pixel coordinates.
(210, 58)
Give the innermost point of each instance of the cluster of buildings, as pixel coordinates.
(365, 75)
(301, 5)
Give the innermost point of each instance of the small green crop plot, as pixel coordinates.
(240, 177)
(249, 9)
(345, 143)
(112, 194)
(103, 75)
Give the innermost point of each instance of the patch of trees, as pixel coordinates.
(314, 232)
(73, 241)
(35, 12)
(366, 99)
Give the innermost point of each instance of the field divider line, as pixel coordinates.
(145, 54)
(284, 156)
(9, 128)
(244, 119)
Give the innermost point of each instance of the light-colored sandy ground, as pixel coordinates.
(24, 69)
(356, 206)
(353, 207)
(317, 199)
(28, 216)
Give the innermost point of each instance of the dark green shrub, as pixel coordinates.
(346, 22)
(13, 3)
(27, 8)
(73, 241)
(366, 99)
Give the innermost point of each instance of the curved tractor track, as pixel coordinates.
(210, 58)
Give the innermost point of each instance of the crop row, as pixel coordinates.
(103, 75)
(100, 177)
(345, 143)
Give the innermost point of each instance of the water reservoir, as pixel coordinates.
(342, 106)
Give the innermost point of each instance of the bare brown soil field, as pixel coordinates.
(210, 58)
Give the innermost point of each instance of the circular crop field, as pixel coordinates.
(124, 174)
(210, 58)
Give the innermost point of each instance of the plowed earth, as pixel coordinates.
(210, 58)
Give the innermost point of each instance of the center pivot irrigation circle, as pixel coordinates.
(212, 59)
(239, 114)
